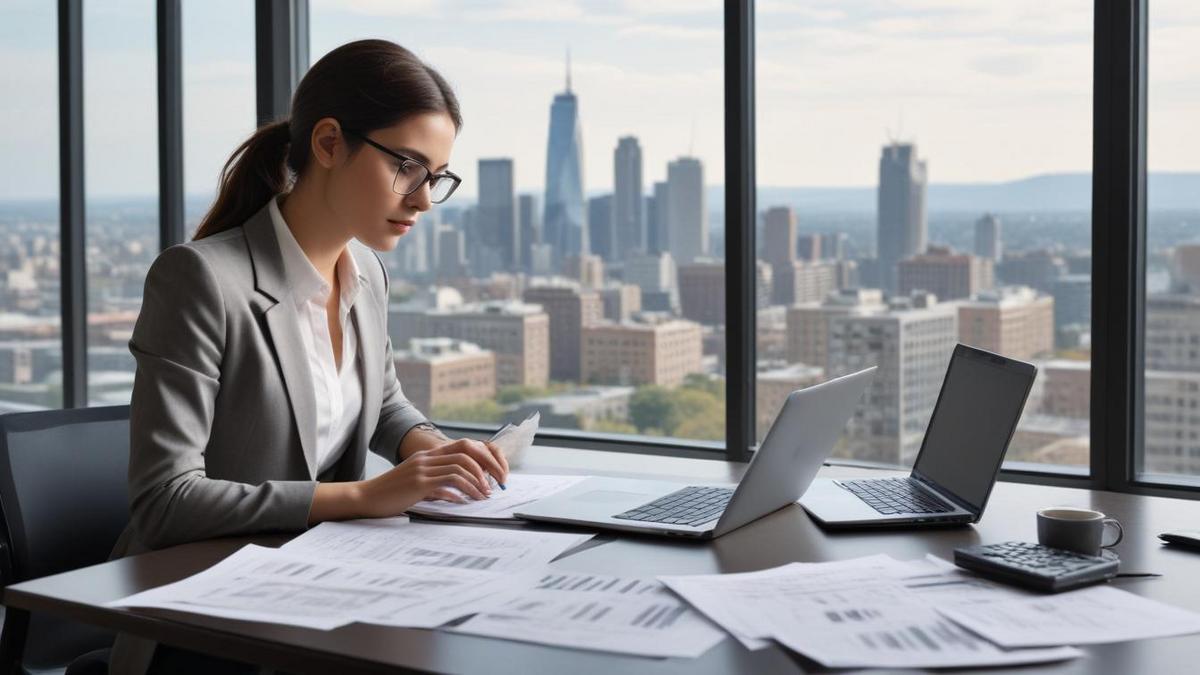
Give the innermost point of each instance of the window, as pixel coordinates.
(218, 95)
(1170, 449)
(120, 106)
(30, 339)
(923, 181)
(583, 254)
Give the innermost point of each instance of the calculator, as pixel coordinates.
(1034, 566)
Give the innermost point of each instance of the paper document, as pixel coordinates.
(273, 585)
(1092, 615)
(855, 613)
(514, 440)
(523, 489)
(398, 541)
(630, 615)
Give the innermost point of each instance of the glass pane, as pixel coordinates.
(578, 270)
(30, 339)
(218, 95)
(1171, 422)
(910, 200)
(120, 107)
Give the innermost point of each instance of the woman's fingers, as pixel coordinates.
(446, 494)
(461, 479)
(460, 453)
(482, 455)
(501, 460)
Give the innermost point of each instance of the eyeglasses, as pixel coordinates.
(412, 174)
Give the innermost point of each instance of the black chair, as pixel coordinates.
(63, 503)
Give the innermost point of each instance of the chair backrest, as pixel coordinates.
(63, 503)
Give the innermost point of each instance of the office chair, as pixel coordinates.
(63, 503)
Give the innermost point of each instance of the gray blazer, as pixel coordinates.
(223, 425)
(223, 422)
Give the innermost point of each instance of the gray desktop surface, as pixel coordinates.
(784, 536)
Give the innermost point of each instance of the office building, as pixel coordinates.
(658, 208)
(580, 408)
(586, 269)
(657, 276)
(621, 301)
(801, 281)
(629, 206)
(779, 235)
(808, 247)
(1185, 268)
(441, 371)
(1072, 300)
(497, 246)
(564, 219)
(1173, 332)
(946, 274)
(687, 210)
(987, 237)
(647, 350)
(452, 253)
(1066, 388)
(517, 333)
(1037, 269)
(911, 343)
(808, 323)
(833, 245)
(601, 227)
(901, 226)
(571, 309)
(1015, 321)
(702, 292)
(529, 223)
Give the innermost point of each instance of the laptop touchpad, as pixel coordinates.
(608, 496)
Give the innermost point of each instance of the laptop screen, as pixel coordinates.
(976, 413)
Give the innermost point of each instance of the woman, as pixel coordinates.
(264, 370)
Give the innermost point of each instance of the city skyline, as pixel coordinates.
(809, 66)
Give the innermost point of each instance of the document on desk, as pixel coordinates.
(399, 541)
(513, 441)
(275, 586)
(1092, 615)
(523, 489)
(629, 615)
(856, 613)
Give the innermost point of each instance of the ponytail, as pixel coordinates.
(254, 173)
(365, 85)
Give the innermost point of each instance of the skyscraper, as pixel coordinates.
(687, 217)
(629, 217)
(902, 227)
(779, 235)
(564, 223)
(498, 247)
(987, 237)
(601, 227)
(657, 215)
(529, 224)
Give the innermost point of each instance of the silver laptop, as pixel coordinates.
(799, 441)
(973, 421)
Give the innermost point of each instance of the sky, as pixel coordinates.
(989, 91)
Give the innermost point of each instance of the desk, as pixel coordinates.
(784, 536)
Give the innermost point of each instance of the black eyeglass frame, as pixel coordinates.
(430, 176)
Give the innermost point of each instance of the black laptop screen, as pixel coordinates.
(977, 410)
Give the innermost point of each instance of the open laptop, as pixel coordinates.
(972, 423)
(801, 438)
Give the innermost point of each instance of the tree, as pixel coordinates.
(650, 407)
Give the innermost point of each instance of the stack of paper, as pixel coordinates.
(869, 612)
(398, 541)
(630, 615)
(522, 489)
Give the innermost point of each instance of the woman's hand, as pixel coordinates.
(428, 474)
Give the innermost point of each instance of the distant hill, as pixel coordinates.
(1049, 192)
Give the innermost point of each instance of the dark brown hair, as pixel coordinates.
(365, 85)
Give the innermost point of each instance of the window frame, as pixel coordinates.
(1118, 227)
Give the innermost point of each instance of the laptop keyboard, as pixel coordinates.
(693, 505)
(895, 495)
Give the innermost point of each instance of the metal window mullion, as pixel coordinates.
(72, 266)
(170, 123)
(739, 229)
(1118, 240)
(281, 54)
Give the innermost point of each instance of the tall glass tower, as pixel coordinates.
(902, 226)
(564, 220)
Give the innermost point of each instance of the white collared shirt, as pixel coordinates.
(338, 392)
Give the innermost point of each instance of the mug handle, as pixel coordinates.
(1120, 532)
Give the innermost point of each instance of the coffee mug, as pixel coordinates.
(1078, 530)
